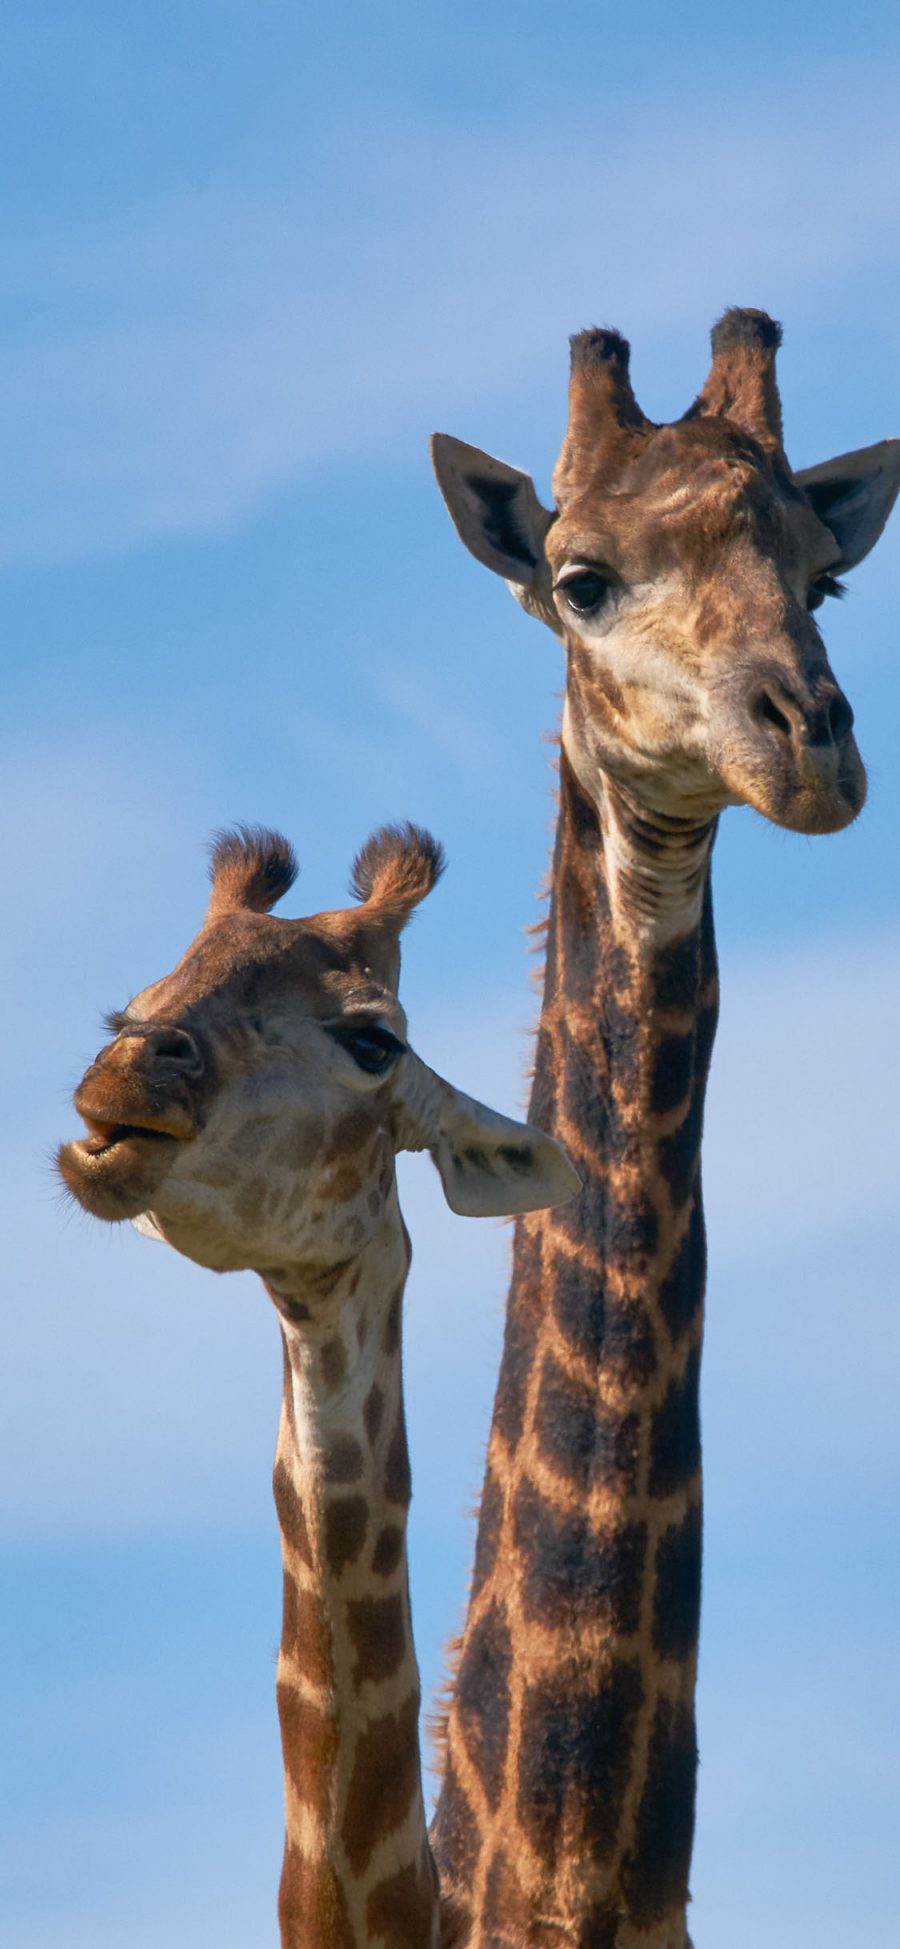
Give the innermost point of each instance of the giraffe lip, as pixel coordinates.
(105, 1136)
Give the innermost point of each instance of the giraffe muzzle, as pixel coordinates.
(785, 745)
(822, 722)
(117, 1169)
(138, 1107)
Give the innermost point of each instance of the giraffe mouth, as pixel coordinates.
(117, 1169)
(103, 1137)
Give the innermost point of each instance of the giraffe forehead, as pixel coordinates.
(689, 492)
(245, 962)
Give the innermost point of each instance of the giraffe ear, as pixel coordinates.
(496, 512)
(853, 495)
(489, 1165)
(498, 1170)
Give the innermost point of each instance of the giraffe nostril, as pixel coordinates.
(804, 722)
(766, 711)
(175, 1049)
(840, 717)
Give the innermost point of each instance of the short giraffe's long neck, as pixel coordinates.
(566, 1812)
(357, 1867)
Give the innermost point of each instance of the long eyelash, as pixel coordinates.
(830, 586)
(361, 1025)
(115, 1021)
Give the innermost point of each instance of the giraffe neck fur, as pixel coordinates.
(566, 1810)
(357, 1865)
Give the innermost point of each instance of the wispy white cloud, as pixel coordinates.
(195, 358)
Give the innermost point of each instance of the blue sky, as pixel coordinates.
(253, 254)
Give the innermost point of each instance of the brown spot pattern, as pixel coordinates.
(483, 1680)
(334, 1363)
(388, 1551)
(306, 1633)
(309, 1743)
(507, 1909)
(384, 1780)
(311, 1906)
(575, 1760)
(346, 1519)
(397, 1479)
(392, 1324)
(399, 1911)
(377, 1628)
(344, 1460)
(373, 1410)
(344, 1183)
(291, 1518)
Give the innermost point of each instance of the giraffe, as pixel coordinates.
(680, 566)
(248, 1111)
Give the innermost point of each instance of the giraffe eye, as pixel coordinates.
(373, 1048)
(584, 590)
(824, 585)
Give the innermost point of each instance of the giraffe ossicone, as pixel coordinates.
(248, 1110)
(681, 566)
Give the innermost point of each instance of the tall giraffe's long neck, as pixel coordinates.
(566, 1812)
(357, 1867)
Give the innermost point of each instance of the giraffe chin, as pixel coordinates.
(808, 804)
(117, 1179)
(819, 789)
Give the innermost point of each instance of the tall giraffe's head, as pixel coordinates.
(253, 1101)
(681, 566)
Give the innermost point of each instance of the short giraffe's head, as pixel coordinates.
(253, 1101)
(682, 566)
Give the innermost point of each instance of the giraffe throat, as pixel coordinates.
(567, 1805)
